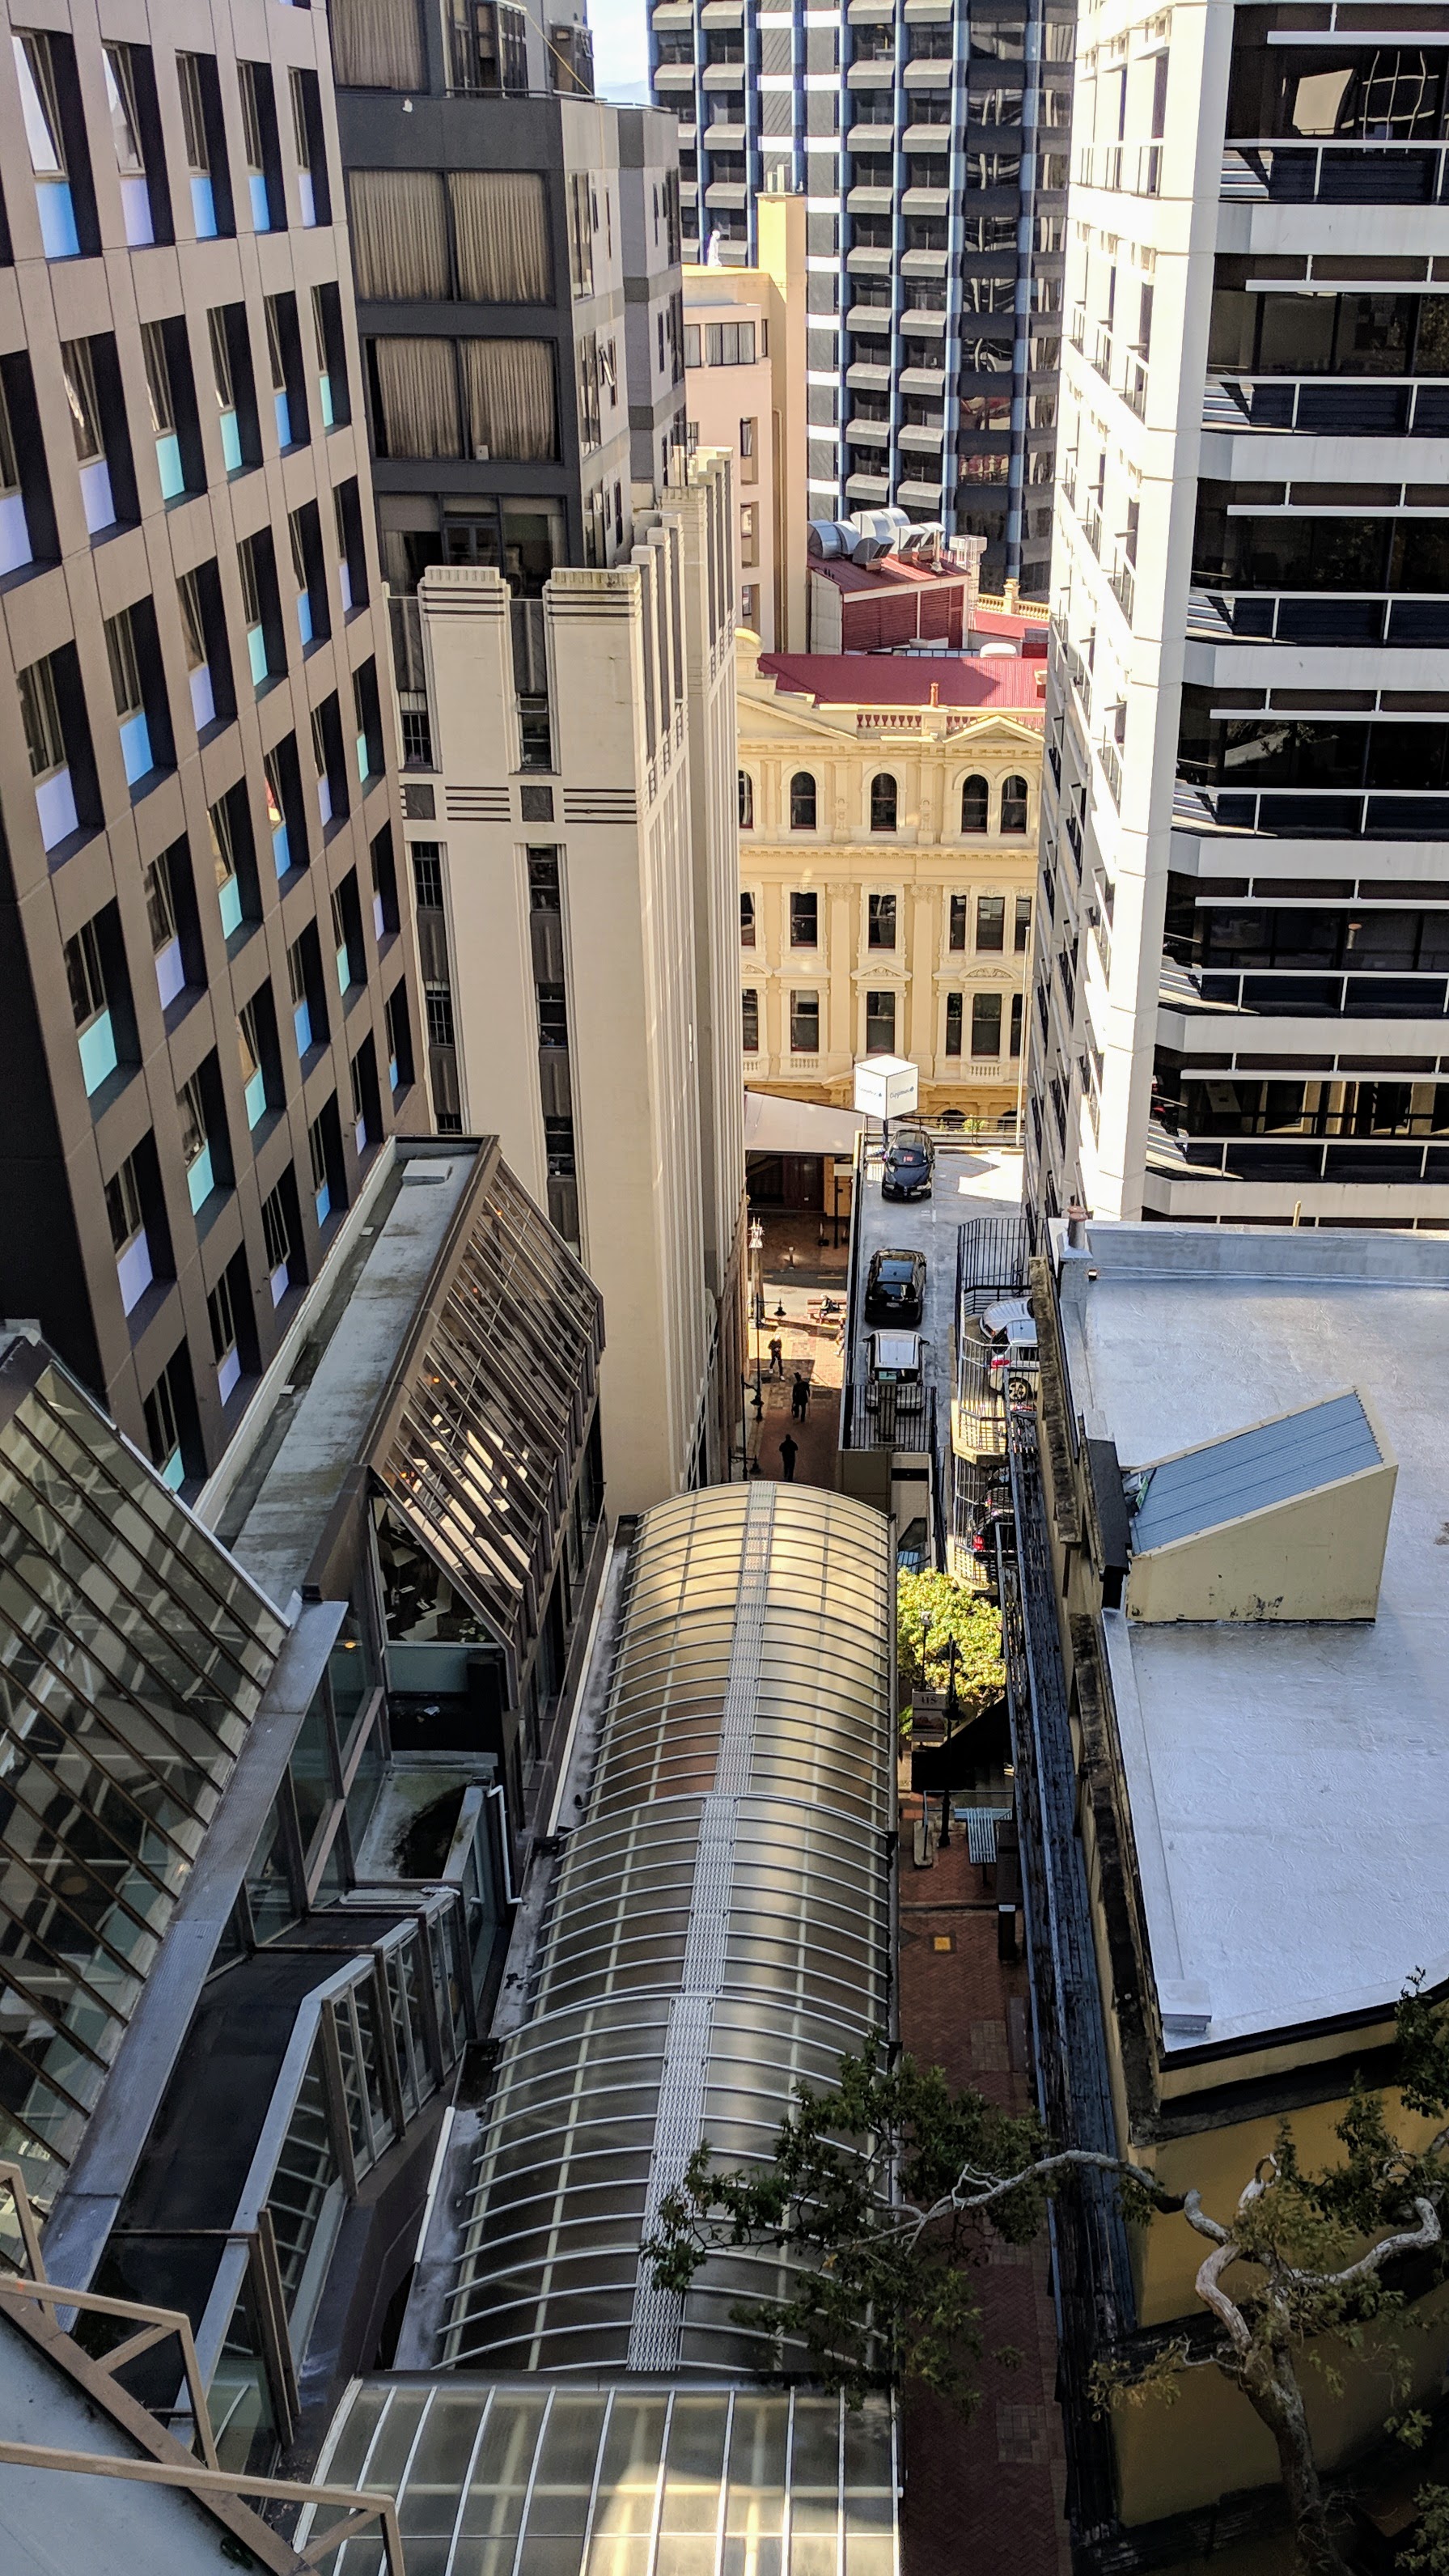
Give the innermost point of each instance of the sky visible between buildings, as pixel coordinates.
(621, 48)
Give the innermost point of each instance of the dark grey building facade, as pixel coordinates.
(516, 246)
(210, 1017)
(930, 140)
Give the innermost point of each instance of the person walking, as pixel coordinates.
(800, 1397)
(789, 1452)
(777, 1357)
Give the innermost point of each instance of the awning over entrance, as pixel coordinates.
(775, 1126)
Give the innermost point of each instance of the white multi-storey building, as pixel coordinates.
(577, 905)
(1240, 1006)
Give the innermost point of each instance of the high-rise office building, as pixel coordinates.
(1240, 1012)
(207, 1033)
(563, 593)
(930, 143)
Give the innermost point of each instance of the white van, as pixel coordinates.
(898, 1361)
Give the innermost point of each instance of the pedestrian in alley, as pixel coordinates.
(800, 1397)
(789, 1452)
(777, 1357)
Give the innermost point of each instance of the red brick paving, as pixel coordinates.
(985, 2494)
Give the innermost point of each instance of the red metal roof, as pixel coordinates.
(1029, 633)
(1004, 681)
(889, 573)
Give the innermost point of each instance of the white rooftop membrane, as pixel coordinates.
(1289, 1785)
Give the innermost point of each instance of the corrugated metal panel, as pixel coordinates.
(1253, 1469)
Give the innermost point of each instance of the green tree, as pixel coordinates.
(932, 1612)
(890, 2185)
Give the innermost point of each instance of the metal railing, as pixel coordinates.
(1091, 2272)
(27, 2285)
(1333, 173)
(1328, 406)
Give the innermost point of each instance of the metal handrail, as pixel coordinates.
(154, 2324)
(202, 2479)
(220, 2482)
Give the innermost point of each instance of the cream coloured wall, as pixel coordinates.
(770, 499)
(639, 808)
(923, 863)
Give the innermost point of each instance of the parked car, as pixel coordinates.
(1010, 1328)
(895, 1288)
(896, 1360)
(909, 1166)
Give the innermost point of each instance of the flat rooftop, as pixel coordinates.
(340, 1373)
(1289, 1785)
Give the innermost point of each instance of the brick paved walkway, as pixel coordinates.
(812, 1346)
(985, 2495)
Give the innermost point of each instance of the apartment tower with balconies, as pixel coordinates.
(210, 1017)
(1241, 1011)
(929, 139)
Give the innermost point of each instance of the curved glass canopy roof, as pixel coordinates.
(525, 2479)
(718, 1933)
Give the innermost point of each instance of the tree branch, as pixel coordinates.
(1229, 2316)
(1410, 2241)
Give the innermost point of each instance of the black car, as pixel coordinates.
(895, 1288)
(909, 1166)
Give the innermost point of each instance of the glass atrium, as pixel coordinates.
(718, 1933)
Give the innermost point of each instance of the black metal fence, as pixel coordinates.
(1091, 2275)
(991, 1257)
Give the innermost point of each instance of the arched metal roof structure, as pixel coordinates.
(718, 1934)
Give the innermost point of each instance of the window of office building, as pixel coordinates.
(804, 1023)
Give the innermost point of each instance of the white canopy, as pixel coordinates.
(775, 1126)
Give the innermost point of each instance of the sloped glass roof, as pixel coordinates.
(540, 2480)
(718, 1932)
(133, 1657)
(497, 1395)
(1250, 1470)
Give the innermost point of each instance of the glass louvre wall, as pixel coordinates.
(718, 1932)
(371, 2047)
(487, 1460)
(133, 1657)
(648, 2481)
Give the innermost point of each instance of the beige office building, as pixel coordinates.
(744, 376)
(576, 898)
(888, 810)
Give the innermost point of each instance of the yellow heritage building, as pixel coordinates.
(888, 821)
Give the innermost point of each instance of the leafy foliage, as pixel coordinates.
(880, 2197)
(932, 1610)
(883, 2292)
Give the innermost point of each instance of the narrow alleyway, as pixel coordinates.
(804, 1310)
(986, 2493)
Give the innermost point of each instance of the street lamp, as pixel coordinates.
(757, 1304)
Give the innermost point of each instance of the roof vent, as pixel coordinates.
(1287, 1520)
